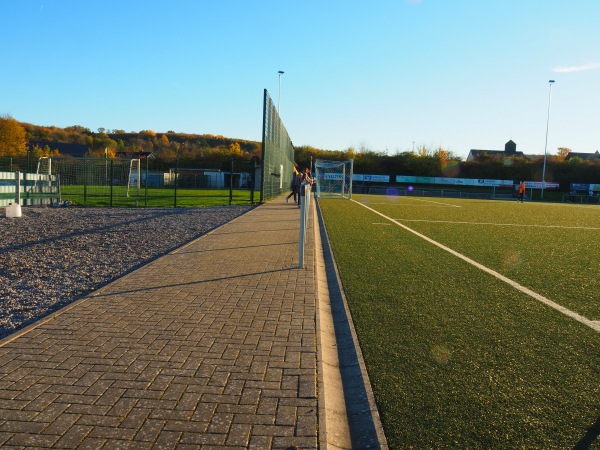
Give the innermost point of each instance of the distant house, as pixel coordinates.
(65, 149)
(136, 155)
(585, 156)
(510, 150)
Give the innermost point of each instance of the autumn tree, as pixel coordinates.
(147, 134)
(164, 140)
(13, 138)
(562, 153)
(235, 151)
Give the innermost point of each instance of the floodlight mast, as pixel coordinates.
(279, 96)
(550, 82)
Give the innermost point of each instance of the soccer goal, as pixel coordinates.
(90, 176)
(334, 178)
(45, 182)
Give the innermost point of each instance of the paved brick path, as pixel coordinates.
(213, 345)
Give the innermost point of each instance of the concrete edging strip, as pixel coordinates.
(351, 417)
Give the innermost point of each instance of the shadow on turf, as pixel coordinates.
(589, 438)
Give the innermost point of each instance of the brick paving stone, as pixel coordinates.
(168, 439)
(62, 424)
(89, 443)
(73, 437)
(4, 436)
(284, 442)
(18, 426)
(31, 440)
(211, 346)
(150, 430)
(260, 442)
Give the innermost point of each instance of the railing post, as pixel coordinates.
(304, 208)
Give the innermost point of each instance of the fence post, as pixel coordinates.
(18, 187)
(146, 187)
(175, 185)
(112, 175)
(230, 181)
(85, 179)
(252, 178)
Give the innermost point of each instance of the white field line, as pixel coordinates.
(520, 225)
(429, 203)
(594, 325)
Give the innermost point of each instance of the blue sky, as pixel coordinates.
(381, 75)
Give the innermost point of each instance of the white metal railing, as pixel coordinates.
(304, 208)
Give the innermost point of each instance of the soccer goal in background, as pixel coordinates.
(83, 177)
(334, 178)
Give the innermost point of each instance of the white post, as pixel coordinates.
(304, 207)
(546, 144)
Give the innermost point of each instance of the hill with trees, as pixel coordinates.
(206, 150)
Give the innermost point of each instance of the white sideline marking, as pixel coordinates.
(499, 224)
(450, 205)
(594, 325)
(446, 205)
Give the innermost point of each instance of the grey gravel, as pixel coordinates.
(50, 257)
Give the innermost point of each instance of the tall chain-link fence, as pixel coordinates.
(123, 182)
(277, 153)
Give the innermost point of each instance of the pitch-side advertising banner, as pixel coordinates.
(585, 187)
(539, 184)
(373, 178)
(454, 181)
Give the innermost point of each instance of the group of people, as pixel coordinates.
(301, 180)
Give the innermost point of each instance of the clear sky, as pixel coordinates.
(380, 74)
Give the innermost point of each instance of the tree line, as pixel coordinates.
(206, 150)
(189, 150)
(442, 163)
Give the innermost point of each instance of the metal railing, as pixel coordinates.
(304, 209)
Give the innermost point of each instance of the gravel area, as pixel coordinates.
(50, 257)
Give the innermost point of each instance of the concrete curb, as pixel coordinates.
(350, 419)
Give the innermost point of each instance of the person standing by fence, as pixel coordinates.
(295, 187)
(307, 179)
(521, 191)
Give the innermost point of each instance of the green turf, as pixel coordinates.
(93, 196)
(457, 358)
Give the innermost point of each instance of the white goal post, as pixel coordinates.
(135, 176)
(334, 178)
(94, 176)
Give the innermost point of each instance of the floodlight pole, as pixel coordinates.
(550, 82)
(279, 96)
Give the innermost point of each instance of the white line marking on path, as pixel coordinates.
(499, 224)
(594, 325)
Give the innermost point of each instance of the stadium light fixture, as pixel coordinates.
(550, 83)
(279, 97)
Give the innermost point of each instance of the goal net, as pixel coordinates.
(90, 176)
(334, 178)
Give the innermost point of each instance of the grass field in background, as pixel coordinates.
(458, 358)
(156, 197)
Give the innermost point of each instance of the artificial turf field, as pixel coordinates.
(479, 321)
